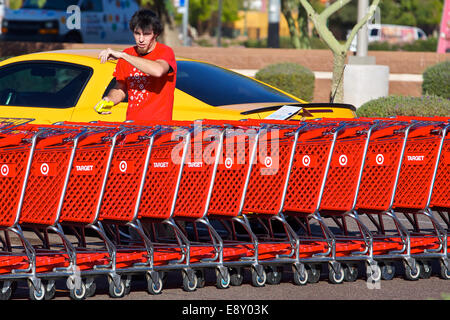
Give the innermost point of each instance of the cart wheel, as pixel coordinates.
(91, 287)
(114, 291)
(445, 273)
(163, 276)
(274, 275)
(50, 290)
(79, 293)
(154, 286)
(373, 272)
(236, 277)
(189, 285)
(336, 278)
(258, 281)
(36, 294)
(350, 272)
(300, 278)
(314, 271)
(387, 271)
(200, 273)
(425, 269)
(128, 285)
(222, 282)
(411, 274)
(6, 292)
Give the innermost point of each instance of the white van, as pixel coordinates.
(391, 33)
(89, 21)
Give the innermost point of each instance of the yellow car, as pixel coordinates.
(65, 85)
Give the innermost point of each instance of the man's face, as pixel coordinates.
(145, 40)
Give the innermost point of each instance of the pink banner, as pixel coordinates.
(444, 34)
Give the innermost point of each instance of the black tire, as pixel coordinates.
(425, 269)
(78, 293)
(50, 291)
(274, 275)
(114, 291)
(350, 272)
(7, 293)
(154, 286)
(90, 290)
(201, 280)
(336, 278)
(236, 276)
(411, 274)
(222, 282)
(258, 280)
(314, 271)
(444, 272)
(189, 285)
(387, 271)
(36, 294)
(300, 278)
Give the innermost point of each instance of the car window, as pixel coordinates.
(42, 84)
(216, 86)
(111, 85)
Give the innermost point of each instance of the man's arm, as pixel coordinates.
(117, 94)
(155, 68)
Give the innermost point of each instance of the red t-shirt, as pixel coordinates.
(149, 98)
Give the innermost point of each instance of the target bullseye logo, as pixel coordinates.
(306, 161)
(123, 166)
(45, 169)
(343, 160)
(379, 159)
(268, 162)
(4, 170)
(228, 163)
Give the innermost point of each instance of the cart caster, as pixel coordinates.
(258, 280)
(425, 269)
(91, 287)
(79, 293)
(201, 280)
(36, 294)
(444, 272)
(236, 277)
(335, 277)
(410, 273)
(387, 271)
(274, 275)
(189, 285)
(6, 290)
(155, 284)
(373, 272)
(350, 272)
(314, 271)
(300, 277)
(117, 291)
(222, 281)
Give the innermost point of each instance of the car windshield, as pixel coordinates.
(42, 84)
(49, 4)
(218, 87)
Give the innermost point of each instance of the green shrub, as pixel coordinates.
(289, 77)
(436, 80)
(428, 45)
(425, 106)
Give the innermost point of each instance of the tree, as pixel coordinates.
(297, 20)
(339, 50)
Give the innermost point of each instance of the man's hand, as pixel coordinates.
(104, 106)
(109, 54)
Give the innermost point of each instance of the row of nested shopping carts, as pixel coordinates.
(80, 201)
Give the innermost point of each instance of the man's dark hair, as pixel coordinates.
(146, 19)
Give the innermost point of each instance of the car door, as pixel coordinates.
(47, 91)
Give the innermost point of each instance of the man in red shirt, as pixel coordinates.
(146, 71)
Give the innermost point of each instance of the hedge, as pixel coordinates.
(436, 80)
(425, 106)
(289, 77)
